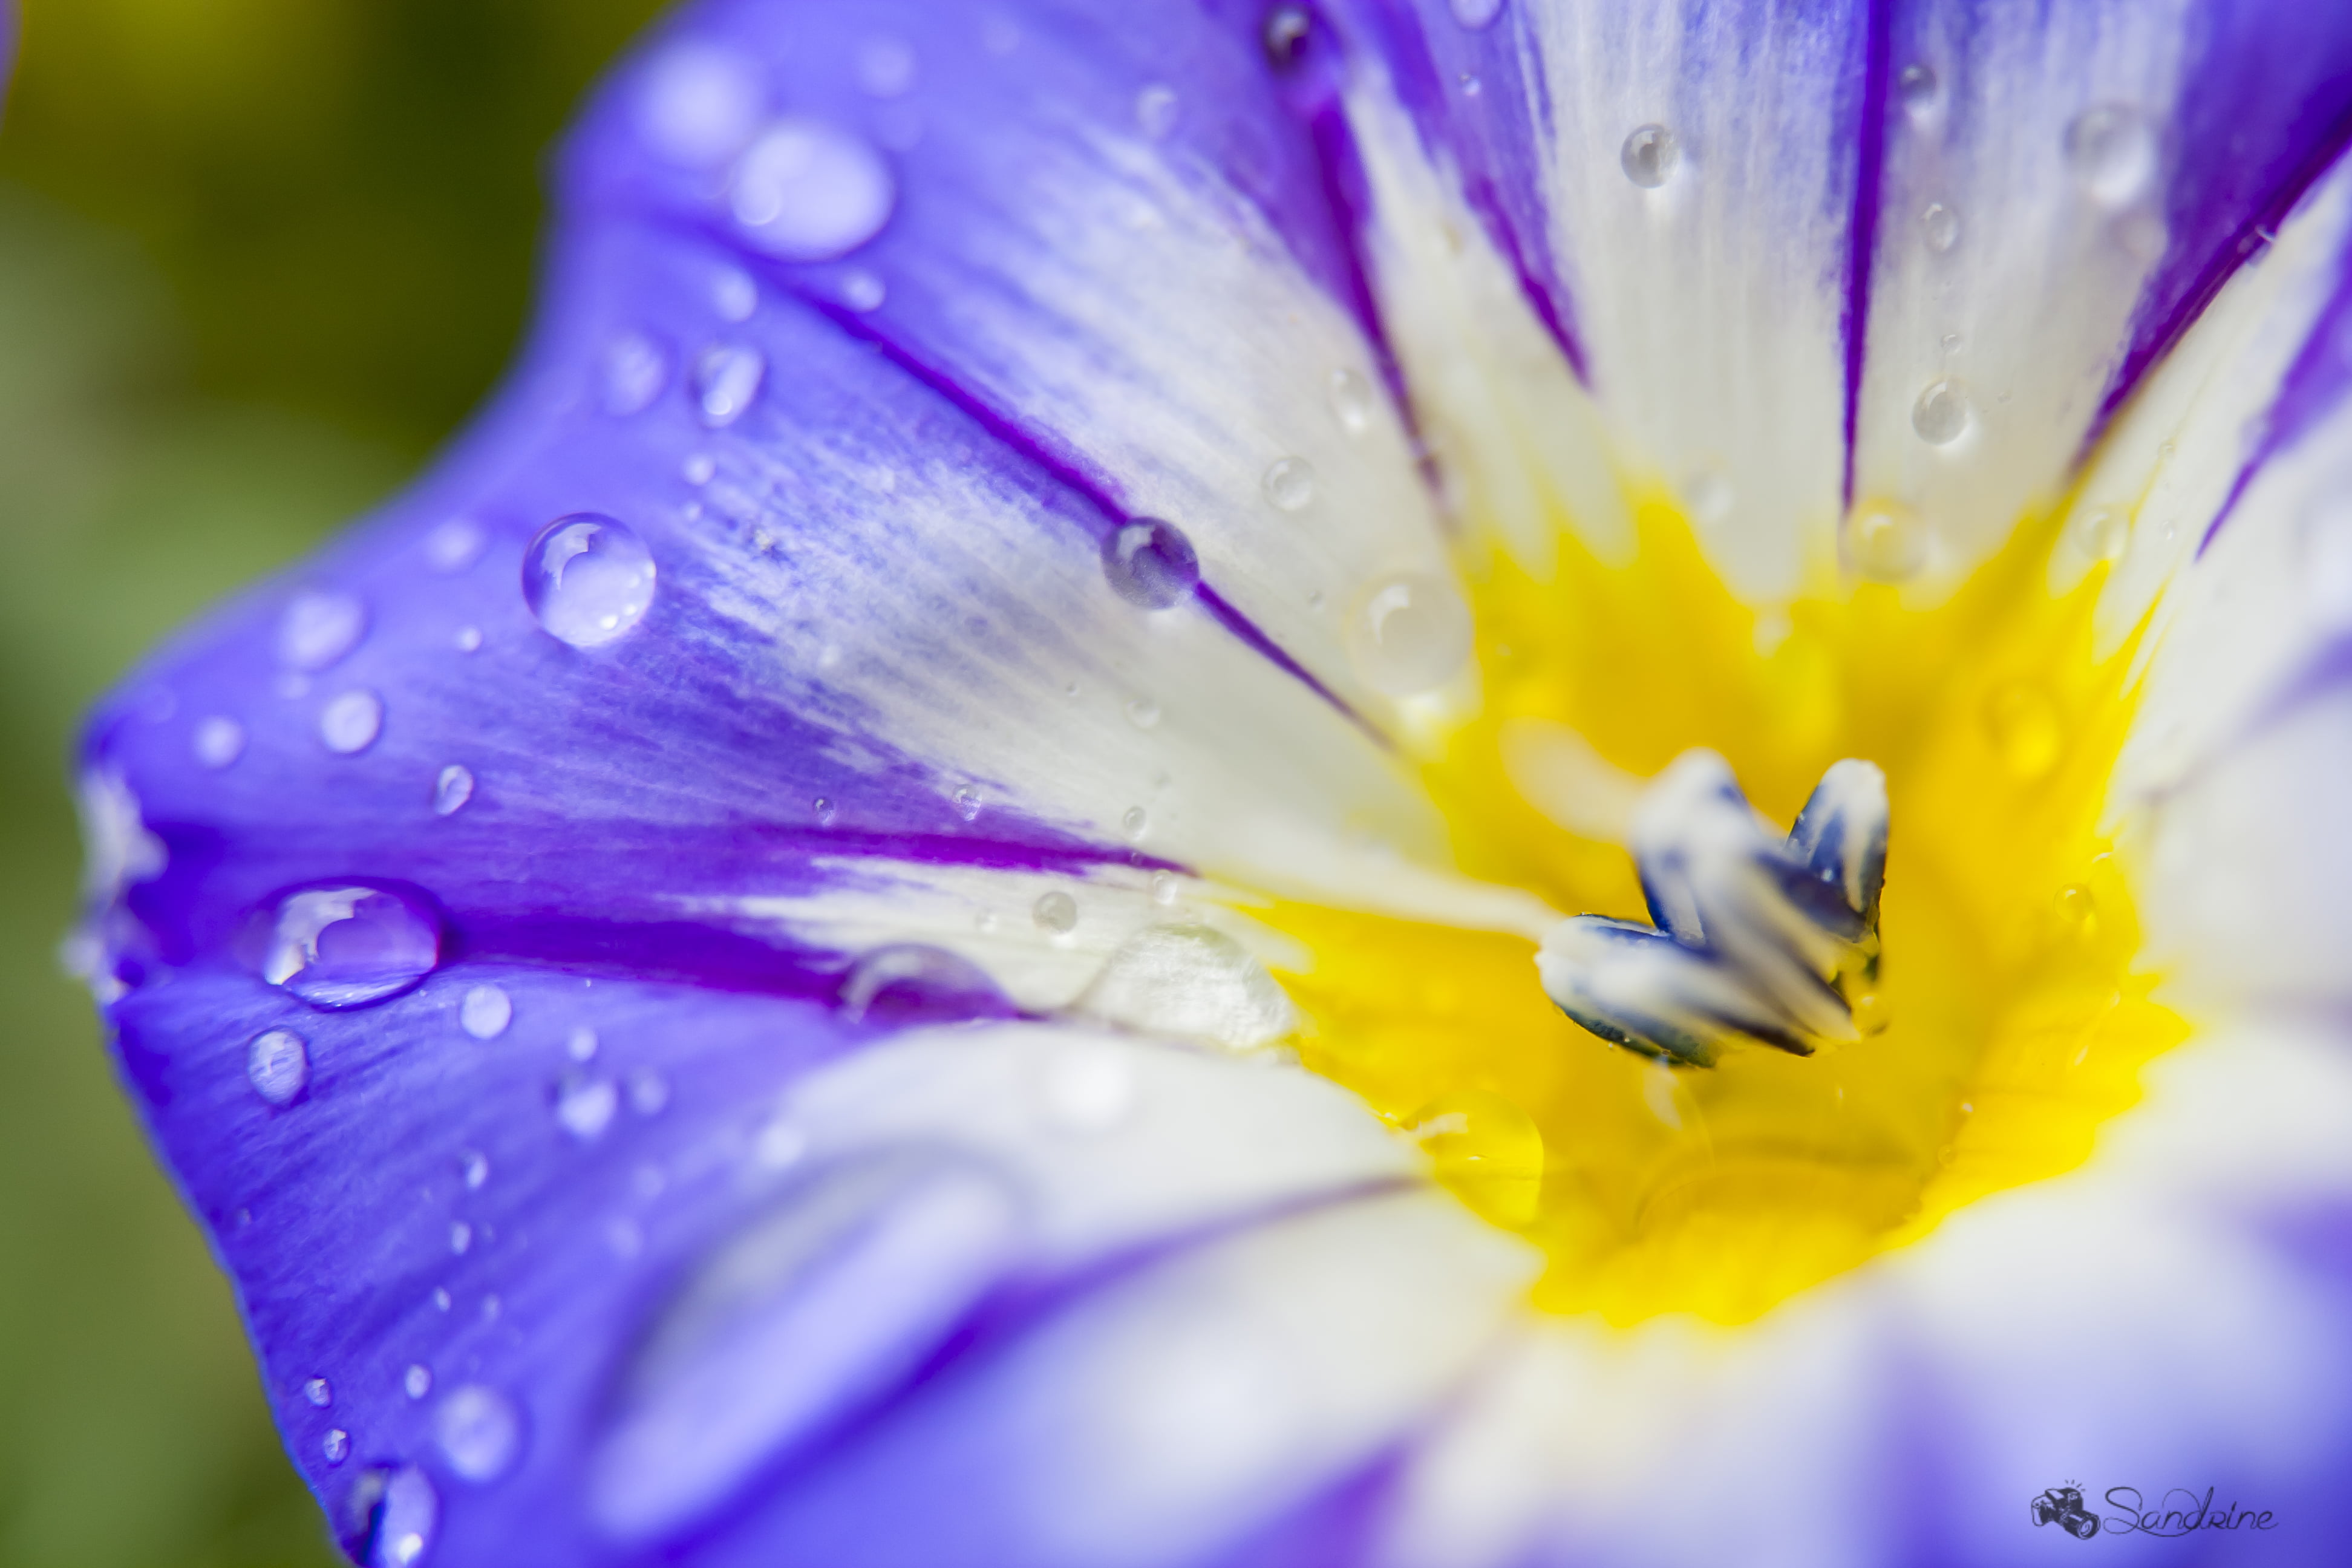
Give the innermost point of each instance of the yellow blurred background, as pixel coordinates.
(256, 259)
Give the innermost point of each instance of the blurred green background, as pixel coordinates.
(256, 259)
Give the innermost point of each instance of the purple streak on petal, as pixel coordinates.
(1491, 138)
(2313, 389)
(1862, 226)
(2265, 109)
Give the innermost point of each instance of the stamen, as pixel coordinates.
(1758, 938)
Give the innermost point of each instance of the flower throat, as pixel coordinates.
(1995, 1021)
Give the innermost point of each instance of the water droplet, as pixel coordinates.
(219, 741)
(1410, 634)
(588, 579)
(1150, 562)
(697, 104)
(1649, 156)
(1290, 484)
(350, 722)
(1193, 983)
(1142, 712)
(490, 1308)
(1055, 912)
(1476, 13)
(2103, 532)
(453, 544)
(2026, 728)
(908, 983)
(1163, 889)
(485, 1013)
(402, 1510)
(2079, 909)
(318, 628)
(863, 291)
(584, 1106)
(1918, 86)
(461, 1237)
(809, 1314)
(807, 191)
(452, 790)
(473, 1170)
(480, 1432)
(1941, 415)
(1707, 492)
(1486, 1148)
(348, 946)
(1940, 227)
(1471, 86)
(417, 1380)
(635, 370)
(1351, 401)
(1087, 1090)
(726, 380)
(824, 811)
(968, 804)
(2111, 151)
(580, 1044)
(442, 1299)
(278, 1064)
(1285, 36)
(1886, 542)
(1133, 824)
(1155, 110)
(336, 1445)
(468, 639)
(649, 1092)
(319, 1392)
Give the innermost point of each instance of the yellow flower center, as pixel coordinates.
(2005, 1023)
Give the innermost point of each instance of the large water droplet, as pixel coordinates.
(1886, 542)
(403, 1519)
(1939, 225)
(1917, 86)
(1057, 913)
(635, 370)
(585, 1105)
(2111, 151)
(1290, 484)
(219, 741)
(1410, 634)
(452, 790)
(910, 983)
(2025, 729)
(485, 1013)
(1150, 562)
(480, 1432)
(1476, 13)
(1649, 156)
(278, 1064)
(1941, 415)
(2102, 533)
(348, 946)
(699, 104)
(1193, 983)
(726, 381)
(319, 627)
(814, 1311)
(588, 579)
(1351, 401)
(1155, 110)
(350, 722)
(807, 191)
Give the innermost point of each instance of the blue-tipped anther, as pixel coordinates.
(1758, 939)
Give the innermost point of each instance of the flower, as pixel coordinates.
(857, 933)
